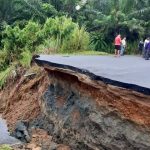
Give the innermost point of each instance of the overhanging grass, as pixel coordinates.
(3, 76)
(25, 60)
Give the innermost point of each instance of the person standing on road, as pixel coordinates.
(123, 46)
(147, 50)
(117, 45)
(141, 47)
(145, 44)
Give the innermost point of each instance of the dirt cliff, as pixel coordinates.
(77, 111)
(19, 98)
(86, 116)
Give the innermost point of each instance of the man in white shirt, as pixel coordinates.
(123, 46)
(145, 43)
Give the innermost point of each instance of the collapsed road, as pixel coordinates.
(80, 102)
(129, 71)
(98, 102)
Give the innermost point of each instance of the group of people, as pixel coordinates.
(120, 45)
(144, 48)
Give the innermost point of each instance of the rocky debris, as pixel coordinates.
(18, 147)
(21, 132)
(40, 140)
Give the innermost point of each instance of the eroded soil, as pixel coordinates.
(78, 113)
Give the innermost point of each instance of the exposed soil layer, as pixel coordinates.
(128, 103)
(11, 82)
(76, 112)
(20, 98)
(89, 115)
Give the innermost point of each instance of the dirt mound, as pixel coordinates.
(20, 98)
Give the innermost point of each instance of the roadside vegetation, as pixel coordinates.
(5, 147)
(29, 27)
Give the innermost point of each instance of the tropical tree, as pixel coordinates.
(109, 17)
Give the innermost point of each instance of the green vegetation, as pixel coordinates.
(56, 35)
(86, 52)
(5, 147)
(28, 27)
(4, 75)
(25, 59)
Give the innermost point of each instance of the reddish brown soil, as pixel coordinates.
(130, 105)
(41, 140)
(21, 100)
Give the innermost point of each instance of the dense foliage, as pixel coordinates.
(64, 26)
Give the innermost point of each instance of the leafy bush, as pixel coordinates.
(98, 41)
(132, 48)
(26, 57)
(31, 36)
(49, 9)
(58, 28)
(49, 46)
(3, 60)
(64, 35)
(11, 42)
(16, 41)
(78, 40)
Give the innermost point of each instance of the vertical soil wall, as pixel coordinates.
(91, 115)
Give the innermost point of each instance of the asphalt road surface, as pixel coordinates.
(127, 69)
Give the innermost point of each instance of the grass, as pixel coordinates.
(26, 59)
(3, 76)
(86, 52)
(5, 147)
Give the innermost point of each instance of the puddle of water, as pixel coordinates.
(5, 137)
